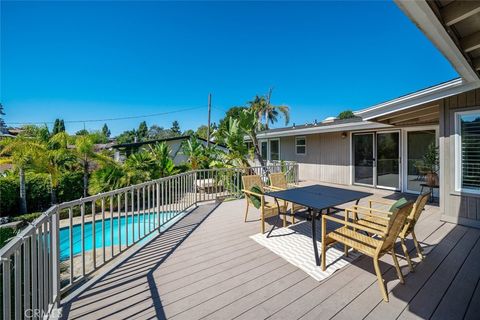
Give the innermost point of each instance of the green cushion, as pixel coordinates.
(256, 200)
(400, 202)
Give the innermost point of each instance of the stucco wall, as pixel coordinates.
(457, 207)
(327, 158)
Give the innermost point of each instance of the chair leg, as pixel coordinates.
(345, 250)
(381, 284)
(246, 211)
(263, 223)
(407, 257)
(417, 246)
(397, 266)
(323, 261)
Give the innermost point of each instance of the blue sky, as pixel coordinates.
(95, 60)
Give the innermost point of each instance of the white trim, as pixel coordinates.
(270, 150)
(363, 125)
(426, 20)
(458, 153)
(418, 98)
(405, 152)
(304, 145)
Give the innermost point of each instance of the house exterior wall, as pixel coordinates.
(458, 207)
(327, 157)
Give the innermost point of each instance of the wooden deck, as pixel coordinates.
(207, 267)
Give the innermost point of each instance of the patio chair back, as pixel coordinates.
(278, 180)
(395, 226)
(417, 209)
(252, 180)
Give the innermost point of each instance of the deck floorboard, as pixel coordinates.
(207, 267)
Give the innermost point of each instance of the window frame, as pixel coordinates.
(458, 152)
(270, 150)
(302, 145)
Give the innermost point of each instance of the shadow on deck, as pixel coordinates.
(209, 268)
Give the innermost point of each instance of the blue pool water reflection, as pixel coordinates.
(147, 224)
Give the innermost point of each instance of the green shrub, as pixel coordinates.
(9, 195)
(5, 234)
(28, 217)
(38, 192)
(70, 186)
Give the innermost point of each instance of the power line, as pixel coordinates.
(110, 119)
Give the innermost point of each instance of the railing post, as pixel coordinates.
(195, 186)
(55, 232)
(158, 205)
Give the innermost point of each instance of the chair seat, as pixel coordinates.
(270, 209)
(355, 240)
(372, 222)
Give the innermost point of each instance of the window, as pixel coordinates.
(467, 151)
(301, 145)
(274, 150)
(264, 149)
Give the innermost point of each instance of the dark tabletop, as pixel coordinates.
(318, 197)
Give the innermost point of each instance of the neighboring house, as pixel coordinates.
(122, 151)
(384, 145)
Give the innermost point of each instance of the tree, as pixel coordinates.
(55, 159)
(85, 154)
(347, 114)
(233, 112)
(41, 133)
(58, 126)
(21, 152)
(106, 130)
(233, 136)
(2, 122)
(248, 123)
(127, 136)
(194, 151)
(175, 129)
(164, 164)
(156, 132)
(268, 112)
(82, 132)
(142, 131)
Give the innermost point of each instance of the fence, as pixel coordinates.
(72, 240)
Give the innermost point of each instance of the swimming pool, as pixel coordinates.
(149, 221)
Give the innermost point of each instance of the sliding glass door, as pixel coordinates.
(376, 158)
(417, 143)
(363, 147)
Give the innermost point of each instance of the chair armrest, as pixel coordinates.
(253, 193)
(370, 214)
(353, 225)
(357, 207)
(383, 202)
(274, 188)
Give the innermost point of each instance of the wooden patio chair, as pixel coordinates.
(267, 208)
(374, 222)
(384, 242)
(278, 181)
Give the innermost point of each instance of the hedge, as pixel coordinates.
(38, 191)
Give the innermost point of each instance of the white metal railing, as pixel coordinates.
(72, 240)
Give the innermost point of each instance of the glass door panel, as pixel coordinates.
(363, 158)
(417, 144)
(388, 160)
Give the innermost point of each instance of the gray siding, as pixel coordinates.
(457, 207)
(327, 158)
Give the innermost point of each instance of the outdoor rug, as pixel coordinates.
(294, 244)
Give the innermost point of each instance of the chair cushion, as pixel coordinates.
(256, 200)
(397, 204)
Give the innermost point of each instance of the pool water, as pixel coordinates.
(149, 221)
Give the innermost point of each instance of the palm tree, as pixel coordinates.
(268, 112)
(21, 152)
(139, 167)
(233, 137)
(194, 151)
(110, 177)
(164, 164)
(54, 159)
(85, 155)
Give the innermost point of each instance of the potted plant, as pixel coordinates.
(431, 165)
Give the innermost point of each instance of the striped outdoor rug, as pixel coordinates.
(294, 244)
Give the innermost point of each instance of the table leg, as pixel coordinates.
(314, 236)
(278, 218)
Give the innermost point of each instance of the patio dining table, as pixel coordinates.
(316, 198)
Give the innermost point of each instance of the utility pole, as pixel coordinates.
(209, 111)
